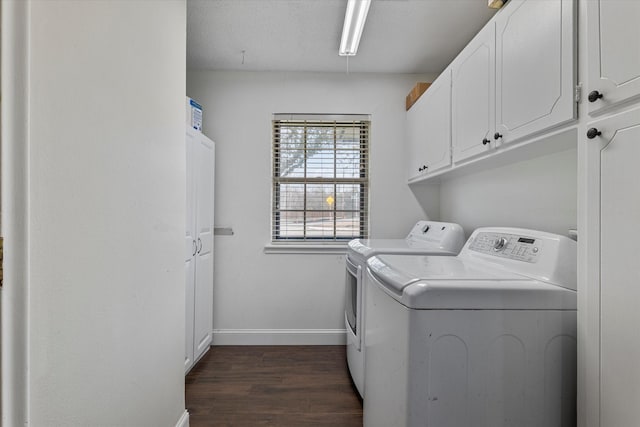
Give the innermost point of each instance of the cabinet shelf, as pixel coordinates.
(549, 143)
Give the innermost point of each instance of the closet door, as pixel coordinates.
(190, 250)
(473, 97)
(203, 316)
(611, 345)
(614, 52)
(535, 60)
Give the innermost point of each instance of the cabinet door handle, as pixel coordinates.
(485, 141)
(594, 96)
(497, 136)
(199, 245)
(593, 132)
(195, 248)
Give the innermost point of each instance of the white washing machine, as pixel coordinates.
(483, 339)
(426, 237)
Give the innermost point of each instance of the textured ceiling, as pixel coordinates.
(400, 36)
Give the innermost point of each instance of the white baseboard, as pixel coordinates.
(279, 337)
(184, 420)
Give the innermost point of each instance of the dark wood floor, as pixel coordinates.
(246, 386)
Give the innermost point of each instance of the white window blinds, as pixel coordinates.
(320, 177)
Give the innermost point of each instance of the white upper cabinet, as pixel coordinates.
(414, 146)
(473, 97)
(429, 129)
(614, 53)
(514, 81)
(534, 67)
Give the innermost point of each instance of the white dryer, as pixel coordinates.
(483, 339)
(426, 237)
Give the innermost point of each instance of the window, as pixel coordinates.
(320, 178)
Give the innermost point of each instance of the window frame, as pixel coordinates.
(360, 121)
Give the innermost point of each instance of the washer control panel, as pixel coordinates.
(511, 246)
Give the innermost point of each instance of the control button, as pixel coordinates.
(535, 250)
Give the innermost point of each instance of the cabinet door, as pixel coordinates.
(613, 52)
(190, 249)
(429, 129)
(612, 349)
(535, 59)
(203, 316)
(473, 97)
(415, 144)
(190, 270)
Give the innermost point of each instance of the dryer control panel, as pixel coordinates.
(511, 246)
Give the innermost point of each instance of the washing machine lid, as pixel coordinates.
(487, 295)
(426, 238)
(361, 249)
(398, 271)
(423, 282)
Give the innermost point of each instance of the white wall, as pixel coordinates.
(93, 207)
(293, 296)
(539, 193)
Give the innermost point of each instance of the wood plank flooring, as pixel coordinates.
(284, 386)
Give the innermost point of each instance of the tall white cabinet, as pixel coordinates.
(609, 222)
(199, 246)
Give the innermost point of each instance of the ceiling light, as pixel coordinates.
(354, 19)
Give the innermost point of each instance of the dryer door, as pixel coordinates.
(353, 292)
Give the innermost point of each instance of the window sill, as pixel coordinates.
(300, 248)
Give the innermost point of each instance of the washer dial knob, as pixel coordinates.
(499, 244)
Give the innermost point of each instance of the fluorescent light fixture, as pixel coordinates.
(354, 19)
